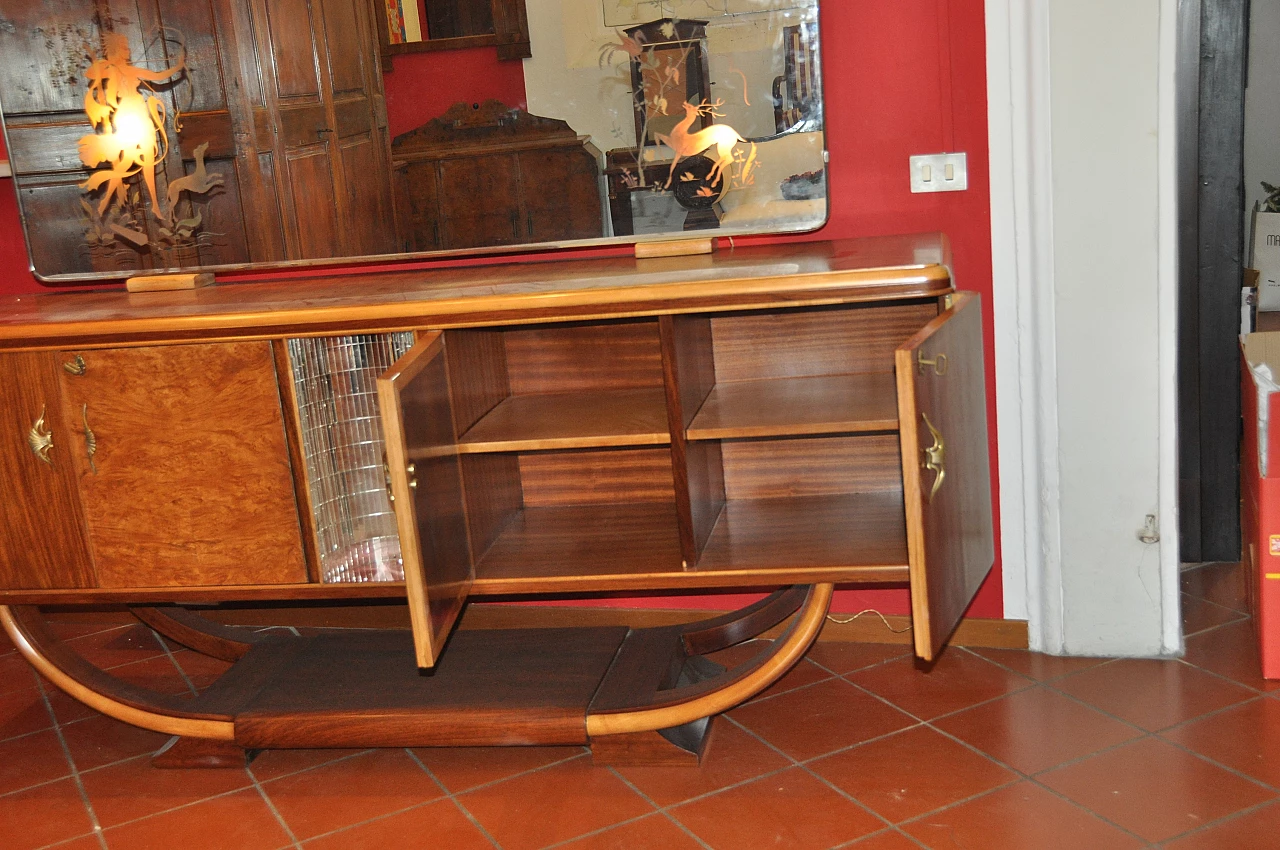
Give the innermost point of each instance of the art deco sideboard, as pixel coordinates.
(802, 415)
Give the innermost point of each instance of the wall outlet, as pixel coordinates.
(940, 172)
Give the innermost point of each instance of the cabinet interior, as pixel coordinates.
(676, 450)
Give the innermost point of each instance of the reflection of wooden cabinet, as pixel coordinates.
(784, 415)
(498, 176)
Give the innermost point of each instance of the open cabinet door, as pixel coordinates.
(426, 489)
(942, 408)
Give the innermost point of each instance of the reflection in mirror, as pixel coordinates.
(165, 135)
(413, 26)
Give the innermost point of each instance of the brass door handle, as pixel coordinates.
(40, 438)
(76, 367)
(939, 363)
(90, 439)
(411, 469)
(935, 458)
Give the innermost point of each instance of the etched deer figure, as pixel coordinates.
(685, 144)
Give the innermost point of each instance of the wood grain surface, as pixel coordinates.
(857, 270)
(190, 484)
(571, 420)
(584, 357)
(495, 687)
(426, 480)
(815, 341)
(812, 466)
(949, 534)
(690, 374)
(596, 476)
(43, 543)
(824, 404)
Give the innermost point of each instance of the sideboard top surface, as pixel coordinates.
(873, 268)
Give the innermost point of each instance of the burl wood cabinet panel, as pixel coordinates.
(188, 483)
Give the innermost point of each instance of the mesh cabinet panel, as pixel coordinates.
(335, 379)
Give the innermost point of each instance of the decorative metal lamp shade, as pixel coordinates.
(335, 380)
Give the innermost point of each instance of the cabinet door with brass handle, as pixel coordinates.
(42, 538)
(946, 469)
(426, 484)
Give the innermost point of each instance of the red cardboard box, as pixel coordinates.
(1260, 497)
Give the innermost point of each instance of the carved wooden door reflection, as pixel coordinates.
(322, 96)
(480, 202)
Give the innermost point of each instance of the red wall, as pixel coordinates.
(902, 77)
(421, 86)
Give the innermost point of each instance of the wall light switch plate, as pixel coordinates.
(940, 172)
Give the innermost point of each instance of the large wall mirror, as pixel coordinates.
(166, 135)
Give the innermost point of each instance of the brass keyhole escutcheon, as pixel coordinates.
(935, 457)
(938, 362)
(76, 367)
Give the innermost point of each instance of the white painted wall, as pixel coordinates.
(1084, 233)
(1262, 105)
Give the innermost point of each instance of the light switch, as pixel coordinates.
(940, 172)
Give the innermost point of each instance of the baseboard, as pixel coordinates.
(974, 632)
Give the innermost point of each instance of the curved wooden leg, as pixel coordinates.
(654, 687)
(226, 643)
(101, 691)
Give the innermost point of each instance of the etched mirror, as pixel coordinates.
(172, 135)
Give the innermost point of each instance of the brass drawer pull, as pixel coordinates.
(935, 457)
(90, 439)
(939, 363)
(76, 367)
(41, 439)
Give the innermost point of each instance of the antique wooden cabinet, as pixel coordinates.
(799, 415)
(493, 175)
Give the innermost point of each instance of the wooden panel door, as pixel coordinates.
(183, 468)
(323, 94)
(480, 202)
(426, 482)
(42, 535)
(946, 472)
(561, 190)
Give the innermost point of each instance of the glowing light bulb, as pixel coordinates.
(133, 124)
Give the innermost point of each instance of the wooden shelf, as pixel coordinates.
(826, 404)
(571, 420)
(859, 538)
(858, 534)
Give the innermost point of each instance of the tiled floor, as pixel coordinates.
(855, 748)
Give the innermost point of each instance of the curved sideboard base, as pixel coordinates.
(102, 692)
(644, 696)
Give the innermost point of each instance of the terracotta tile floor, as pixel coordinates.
(991, 749)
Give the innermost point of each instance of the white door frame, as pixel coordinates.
(1019, 98)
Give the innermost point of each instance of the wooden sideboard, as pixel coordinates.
(809, 415)
(488, 174)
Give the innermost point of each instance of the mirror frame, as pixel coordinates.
(510, 34)
(353, 262)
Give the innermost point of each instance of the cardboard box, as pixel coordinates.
(1260, 497)
(1265, 257)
